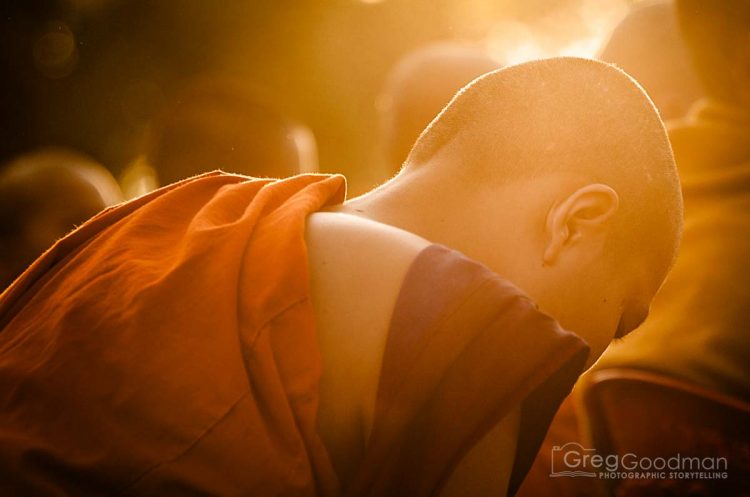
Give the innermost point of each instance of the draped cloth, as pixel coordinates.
(168, 347)
(464, 348)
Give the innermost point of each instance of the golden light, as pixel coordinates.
(580, 32)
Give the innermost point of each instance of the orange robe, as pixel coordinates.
(167, 347)
(464, 348)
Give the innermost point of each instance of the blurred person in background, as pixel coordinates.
(648, 45)
(417, 89)
(698, 326)
(702, 314)
(235, 336)
(43, 196)
(219, 123)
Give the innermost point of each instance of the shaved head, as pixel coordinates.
(556, 174)
(648, 45)
(718, 37)
(43, 195)
(567, 116)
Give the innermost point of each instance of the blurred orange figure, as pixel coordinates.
(702, 313)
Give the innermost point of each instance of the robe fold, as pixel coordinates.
(465, 346)
(167, 347)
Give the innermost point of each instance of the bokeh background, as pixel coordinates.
(92, 74)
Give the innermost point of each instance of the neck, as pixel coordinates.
(492, 226)
(409, 202)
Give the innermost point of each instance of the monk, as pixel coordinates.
(235, 336)
(648, 45)
(44, 194)
(417, 89)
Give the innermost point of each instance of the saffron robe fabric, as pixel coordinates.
(167, 347)
(465, 347)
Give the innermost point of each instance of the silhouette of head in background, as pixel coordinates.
(43, 195)
(718, 34)
(220, 124)
(648, 45)
(417, 89)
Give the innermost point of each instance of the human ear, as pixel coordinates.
(586, 210)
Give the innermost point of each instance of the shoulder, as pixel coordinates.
(356, 265)
(350, 236)
(357, 268)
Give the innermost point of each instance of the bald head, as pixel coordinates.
(563, 116)
(648, 45)
(718, 38)
(217, 123)
(557, 174)
(43, 195)
(418, 88)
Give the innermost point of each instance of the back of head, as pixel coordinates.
(417, 89)
(220, 124)
(718, 36)
(43, 195)
(578, 118)
(648, 45)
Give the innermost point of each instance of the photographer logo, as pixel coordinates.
(575, 460)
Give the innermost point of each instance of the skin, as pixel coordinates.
(547, 235)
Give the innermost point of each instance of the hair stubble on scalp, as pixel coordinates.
(571, 116)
